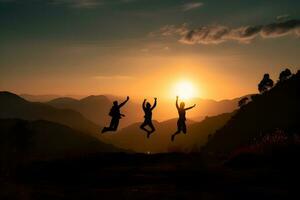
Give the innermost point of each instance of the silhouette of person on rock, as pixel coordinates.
(265, 84)
(181, 126)
(116, 115)
(148, 117)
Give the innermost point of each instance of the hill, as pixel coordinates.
(13, 106)
(277, 109)
(94, 108)
(132, 137)
(209, 107)
(24, 141)
(39, 98)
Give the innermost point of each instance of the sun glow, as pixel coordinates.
(185, 90)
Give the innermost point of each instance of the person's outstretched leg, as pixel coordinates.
(173, 136)
(112, 126)
(143, 127)
(152, 129)
(184, 128)
(115, 124)
(179, 128)
(105, 129)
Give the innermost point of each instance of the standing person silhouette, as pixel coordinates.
(115, 116)
(148, 117)
(181, 126)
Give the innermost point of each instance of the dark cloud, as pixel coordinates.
(216, 34)
(205, 35)
(280, 28)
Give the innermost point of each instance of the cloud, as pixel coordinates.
(113, 77)
(205, 35)
(80, 3)
(216, 34)
(169, 30)
(192, 6)
(280, 29)
(282, 17)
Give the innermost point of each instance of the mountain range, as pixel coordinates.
(96, 108)
(13, 106)
(89, 114)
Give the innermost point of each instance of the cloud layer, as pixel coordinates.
(216, 34)
(192, 6)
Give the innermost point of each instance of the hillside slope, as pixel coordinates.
(45, 140)
(13, 106)
(278, 108)
(94, 108)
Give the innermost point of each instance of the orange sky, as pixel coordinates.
(144, 48)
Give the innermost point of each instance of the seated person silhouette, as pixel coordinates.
(115, 116)
(181, 126)
(148, 117)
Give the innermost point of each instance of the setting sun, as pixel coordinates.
(185, 90)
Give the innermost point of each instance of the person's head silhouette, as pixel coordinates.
(115, 103)
(148, 105)
(182, 105)
(266, 76)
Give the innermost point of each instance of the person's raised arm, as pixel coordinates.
(122, 104)
(144, 104)
(177, 103)
(155, 103)
(190, 107)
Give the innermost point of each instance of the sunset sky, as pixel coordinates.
(146, 47)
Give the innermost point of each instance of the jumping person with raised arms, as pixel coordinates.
(116, 115)
(181, 126)
(148, 117)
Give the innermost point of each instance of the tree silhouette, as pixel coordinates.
(243, 102)
(265, 84)
(284, 75)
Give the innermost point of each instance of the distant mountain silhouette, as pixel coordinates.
(133, 138)
(31, 140)
(94, 108)
(166, 109)
(39, 98)
(13, 106)
(209, 107)
(277, 108)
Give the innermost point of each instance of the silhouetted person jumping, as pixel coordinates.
(115, 116)
(148, 117)
(181, 126)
